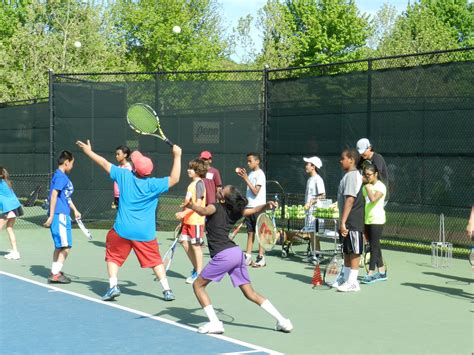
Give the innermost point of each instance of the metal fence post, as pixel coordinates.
(369, 98)
(51, 121)
(265, 118)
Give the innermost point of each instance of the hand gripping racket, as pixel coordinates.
(144, 120)
(83, 229)
(168, 257)
(266, 232)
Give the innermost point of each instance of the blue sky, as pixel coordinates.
(234, 9)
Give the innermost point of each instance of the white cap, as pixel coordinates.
(315, 161)
(362, 145)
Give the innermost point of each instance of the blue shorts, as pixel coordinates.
(61, 231)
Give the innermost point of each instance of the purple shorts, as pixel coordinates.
(229, 261)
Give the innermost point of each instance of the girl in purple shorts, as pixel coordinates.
(228, 258)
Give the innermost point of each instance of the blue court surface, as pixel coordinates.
(37, 318)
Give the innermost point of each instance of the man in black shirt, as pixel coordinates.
(368, 156)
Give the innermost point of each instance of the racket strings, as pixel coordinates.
(143, 120)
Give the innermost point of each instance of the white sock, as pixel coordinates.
(267, 306)
(346, 273)
(56, 267)
(164, 284)
(211, 314)
(113, 282)
(353, 276)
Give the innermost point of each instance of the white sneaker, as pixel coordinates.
(211, 328)
(349, 287)
(248, 259)
(13, 255)
(285, 326)
(259, 262)
(339, 281)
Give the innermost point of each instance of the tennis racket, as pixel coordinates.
(144, 120)
(168, 257)
(33, 196)
(334, 269)
(236, 229)
(266, 232)
(83, 228)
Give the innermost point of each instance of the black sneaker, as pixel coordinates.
(58, 279)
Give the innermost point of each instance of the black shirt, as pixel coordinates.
(218, 226)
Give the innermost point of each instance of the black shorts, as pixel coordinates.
(353, 243)
(251, 222)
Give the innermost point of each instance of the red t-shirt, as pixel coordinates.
(212, 181)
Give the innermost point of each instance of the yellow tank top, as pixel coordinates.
(194, 219)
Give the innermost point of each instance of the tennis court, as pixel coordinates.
(419, 310)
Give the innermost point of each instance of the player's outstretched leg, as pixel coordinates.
(214, 326)
(283, 324)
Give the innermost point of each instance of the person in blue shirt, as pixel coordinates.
(59, 219)
(10, 208)
(135, 223)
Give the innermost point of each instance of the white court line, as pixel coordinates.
(143, 314)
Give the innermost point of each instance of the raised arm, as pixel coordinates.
(250, 211)
(101, 161)
(176, 168)
(201, 210)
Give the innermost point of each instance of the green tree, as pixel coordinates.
(147, 27)
(302, 32)
(430, 25)
(44, 39)
(241, 37)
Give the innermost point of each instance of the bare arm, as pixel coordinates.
(202, 210)
(243, 174)
(348, 203)
(373, 196)
(77, 214)
(96, 158)
(52, 207)
(250, 211)
(470, 224)
(176, 168)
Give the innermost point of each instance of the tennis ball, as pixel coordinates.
(177, 29)
(77, 44)
(237, 170)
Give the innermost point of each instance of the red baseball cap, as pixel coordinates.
(143, 165)
(205, 155)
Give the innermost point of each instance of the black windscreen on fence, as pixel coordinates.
(24, 136)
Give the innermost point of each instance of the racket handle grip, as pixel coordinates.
(170, 143)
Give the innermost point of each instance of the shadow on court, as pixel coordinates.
(453, 278)
(188, 316)
(98, 243)
(298, 277)
(97, 286)
(448, 291)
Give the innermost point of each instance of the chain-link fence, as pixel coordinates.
(416, 110)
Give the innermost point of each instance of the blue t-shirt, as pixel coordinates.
(136, 217)
(8, 199)
(63, 185)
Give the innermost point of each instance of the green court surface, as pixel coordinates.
(419, 310)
